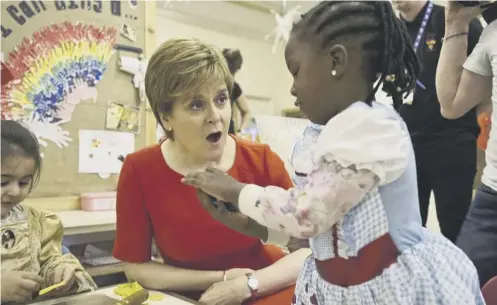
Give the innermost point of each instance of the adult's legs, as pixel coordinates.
(231, 128)
(424, 188)
(478, 236)
(453, 190)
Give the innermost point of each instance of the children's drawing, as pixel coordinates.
(54, 70)
(100, 150)
(137, 67)
(114, 115)
(123, 117)
(128, 32)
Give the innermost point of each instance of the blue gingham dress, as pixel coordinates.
(301, 158)
(429, 271)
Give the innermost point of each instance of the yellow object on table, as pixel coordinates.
(48, 289)
(125, 290)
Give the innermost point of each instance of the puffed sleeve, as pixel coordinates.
(51, 257)
(359, 149)
(133, 242)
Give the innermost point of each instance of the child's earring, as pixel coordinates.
(333, 72)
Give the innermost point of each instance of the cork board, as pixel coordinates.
(20, 20)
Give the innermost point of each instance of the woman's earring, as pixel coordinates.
(333, 73)
(168, 128)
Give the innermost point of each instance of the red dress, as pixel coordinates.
(153, 203)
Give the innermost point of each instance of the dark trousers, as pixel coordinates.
(478, 238)
(231, 129)
(452, 186)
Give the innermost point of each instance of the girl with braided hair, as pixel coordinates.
(360, 207)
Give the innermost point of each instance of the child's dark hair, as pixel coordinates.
(392, 57)
(17, 140)
(234, 59)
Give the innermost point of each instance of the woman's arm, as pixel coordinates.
(461, 82)
(283, 273)
(159, 276)
(243, 107)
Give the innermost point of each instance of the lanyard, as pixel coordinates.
(421, 31)
(423, 25)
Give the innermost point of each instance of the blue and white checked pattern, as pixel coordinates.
(432, 272)
(364, 223)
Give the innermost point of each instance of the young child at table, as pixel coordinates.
(31, 251)
(360, 206)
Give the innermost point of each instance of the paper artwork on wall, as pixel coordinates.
(123, 117)
(99, 150)
(54, 70)
(136, 66)
(128, 32)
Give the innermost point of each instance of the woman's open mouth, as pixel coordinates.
(214, 137)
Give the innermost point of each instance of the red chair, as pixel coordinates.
(489, 291)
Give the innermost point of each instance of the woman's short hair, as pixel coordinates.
(180, 67)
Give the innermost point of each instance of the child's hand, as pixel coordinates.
(217, 184)
(64, 273)
(19, 286)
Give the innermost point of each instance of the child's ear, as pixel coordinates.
(339, 60)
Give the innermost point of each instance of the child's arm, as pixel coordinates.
(303, 213)
(51, 257)
(358, 152)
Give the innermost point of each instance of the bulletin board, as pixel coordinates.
(21, 20)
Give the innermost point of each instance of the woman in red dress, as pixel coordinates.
(188, 85)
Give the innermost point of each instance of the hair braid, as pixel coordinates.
(392, 57)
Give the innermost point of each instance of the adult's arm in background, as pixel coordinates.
(244, 109)
(463, 82)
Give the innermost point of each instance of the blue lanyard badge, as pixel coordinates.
(421, 31)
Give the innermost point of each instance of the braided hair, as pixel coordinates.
(391, 56)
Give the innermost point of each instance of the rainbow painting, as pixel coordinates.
(54, 70)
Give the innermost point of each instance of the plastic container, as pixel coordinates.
(105, 201)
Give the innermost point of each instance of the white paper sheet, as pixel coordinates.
(281, 134)
(99, 150)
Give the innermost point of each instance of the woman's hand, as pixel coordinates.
(217, 184)
(233, 292)
(19, 286)
(233, 220)
(460, 14)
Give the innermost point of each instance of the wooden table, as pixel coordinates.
(169, 298)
